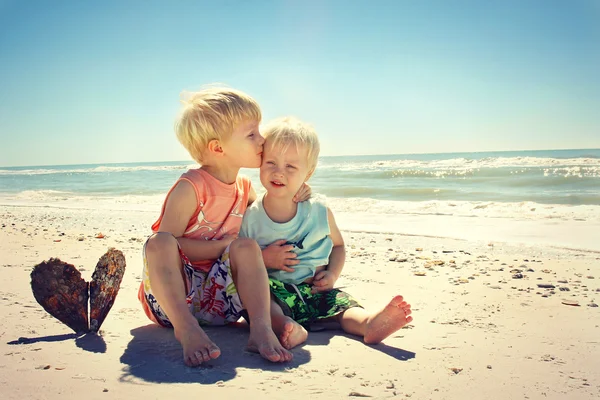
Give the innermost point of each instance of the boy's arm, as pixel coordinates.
(181, 205)
(324, 280)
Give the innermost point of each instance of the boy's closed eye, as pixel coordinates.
(291, 166)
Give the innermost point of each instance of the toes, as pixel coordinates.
(193, 360)
(205, 355)
(288, 327)
(214, 351)
(284, 355)
(290, 356)
(409, 319)
(272, 355)
(397, 300)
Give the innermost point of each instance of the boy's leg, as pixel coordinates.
(252, 283)
(290, 333)
(165, 271)
(374, 327)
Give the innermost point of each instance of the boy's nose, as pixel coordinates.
(277, 171)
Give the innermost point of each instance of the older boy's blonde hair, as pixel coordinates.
(288, 131)
(212, 114)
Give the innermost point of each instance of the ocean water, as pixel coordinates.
(563, 184)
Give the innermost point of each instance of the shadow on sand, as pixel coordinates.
(88, 341)
(323, 337)
(154, 355)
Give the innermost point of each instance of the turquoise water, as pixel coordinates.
(569, 177)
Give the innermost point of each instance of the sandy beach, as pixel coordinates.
(481, 329)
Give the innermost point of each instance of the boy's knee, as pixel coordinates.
(159, 242)
(244, 245)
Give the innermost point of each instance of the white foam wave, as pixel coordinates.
(525, 210)
(464, 164)
(99, 169)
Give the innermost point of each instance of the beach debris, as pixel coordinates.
(358, 394)
(570, 303)
(105, 285)
(456, 370)
(546, 285)
(99, 235)
(592, 305)
(400, 260)
(80, 239)
(419, 249)
(420, 273)
(515, 271)
(59, 288)
(548, 358)
(518, 275)
(56, 240)
(435, 262)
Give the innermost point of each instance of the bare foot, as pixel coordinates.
(264, 341)
(387, 321)
(197, 347)
(290, 333)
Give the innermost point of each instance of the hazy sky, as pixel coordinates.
(99, 81)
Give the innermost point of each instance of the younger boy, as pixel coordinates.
(305, 293)
(195, 270)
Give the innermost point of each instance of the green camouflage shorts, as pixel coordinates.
(304, 307)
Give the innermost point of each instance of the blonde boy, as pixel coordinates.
(305, 292)
(195, 270)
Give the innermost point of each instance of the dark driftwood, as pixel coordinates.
(63, 293)
(104, 287)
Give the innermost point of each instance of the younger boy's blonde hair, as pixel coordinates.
(212, 114)
(288, 131)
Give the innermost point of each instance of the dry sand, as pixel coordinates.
(477, 331)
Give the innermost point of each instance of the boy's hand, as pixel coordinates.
(227, 239)
(303, 193)
(323, 282)
(279, 255)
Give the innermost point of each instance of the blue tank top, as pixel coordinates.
(308, 231)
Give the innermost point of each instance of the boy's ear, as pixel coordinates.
(310, 173)
(214, 146)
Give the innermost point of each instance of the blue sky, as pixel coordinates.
(94, 82)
